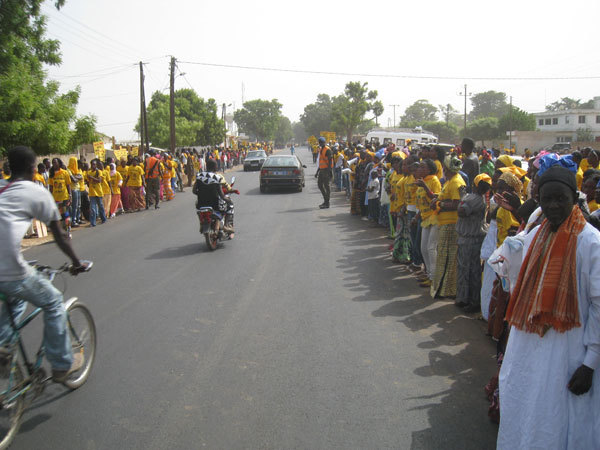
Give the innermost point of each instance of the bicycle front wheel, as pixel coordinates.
(11, 409)
(83, 339)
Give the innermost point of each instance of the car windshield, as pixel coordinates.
(281, 161)
(256, 154)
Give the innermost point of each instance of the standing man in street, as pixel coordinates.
(324, 172)
(470, 161)
(153, 177)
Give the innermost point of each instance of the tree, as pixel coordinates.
(284, 131)
(519, 120)
(196, 120)
(446, 132)
(488, 104)
(569, 103)
(348, 109)
(377, 110)
(482, 129)
(317, 116)
(300, 134)
(33, 112)
(259, 118)
(450, 115)
(585, 135)
(85, 131)
(419, 111)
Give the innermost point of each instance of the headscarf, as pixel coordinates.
(452, 163)
(486, 155)
(73, 165)
(552, 159)
(482, 177)
(506, 160)
(515, 170)
(510, 179)
(536, 161)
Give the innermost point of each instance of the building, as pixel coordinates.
(567, 125)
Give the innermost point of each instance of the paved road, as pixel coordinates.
(297, 334)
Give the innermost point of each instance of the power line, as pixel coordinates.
(373, 75)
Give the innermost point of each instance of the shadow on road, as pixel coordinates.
(272, 191)
(177, 252)
(458, 349)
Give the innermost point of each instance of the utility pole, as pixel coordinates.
(243, 94)
(225, 125)
(172, 105)
(510, 125)
(466, 94)
(448, 113)
(144, 140)
(394, 106)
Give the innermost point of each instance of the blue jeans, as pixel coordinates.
(96, 207)
(75, 205)
(337, 177)
(38, 291)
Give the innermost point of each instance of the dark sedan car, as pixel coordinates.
(282, 171)
(254, 160)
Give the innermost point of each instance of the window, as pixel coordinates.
(555, 121)
(581, 119)
(548, 122)
(400, 142)
(387, 140)
(597, 119)
(541, 122)
(566, 119)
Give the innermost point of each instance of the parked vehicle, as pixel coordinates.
(399, 136)
(254, 160)
(282, 171)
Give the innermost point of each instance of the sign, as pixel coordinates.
(99, 150)
(329, 136)
(119, 154)
(134, 151)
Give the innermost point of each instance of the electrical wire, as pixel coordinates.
(373, 75)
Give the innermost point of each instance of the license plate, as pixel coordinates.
(280, 172)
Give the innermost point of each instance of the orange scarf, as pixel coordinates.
(546, 292)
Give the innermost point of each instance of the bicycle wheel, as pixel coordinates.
(83, 339)
(11, 411)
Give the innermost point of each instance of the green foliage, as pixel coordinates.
(585, 134)
(33, 112)
(488, 104)
(349, 109)
(300, 134)
(446, 133)
(520, 120)
(196, 120)
(569, 103)
(85, 131)
(317, 116)
(419, 111)
(259, 118)
(377, 109)
(284, 131)
(451, 115)
(482, 129)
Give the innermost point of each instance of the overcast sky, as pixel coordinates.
(103, 40)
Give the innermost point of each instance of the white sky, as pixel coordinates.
(461, 38)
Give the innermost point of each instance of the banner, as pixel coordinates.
(134, 151)
(99, 150)
(329, 135)
(122, 153)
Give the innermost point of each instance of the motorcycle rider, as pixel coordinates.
(208, 189)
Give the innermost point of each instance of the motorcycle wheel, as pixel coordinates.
(211, 240)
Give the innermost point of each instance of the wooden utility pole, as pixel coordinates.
(466, 94)
(144, 139)
(510, 125)
(172, 105)
(394, 106)
(224, 113)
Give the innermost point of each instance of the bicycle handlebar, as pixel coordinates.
(51, 273)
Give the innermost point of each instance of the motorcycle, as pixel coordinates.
(214, 225)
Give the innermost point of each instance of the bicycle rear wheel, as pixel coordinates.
(83, 339)
(11, 411)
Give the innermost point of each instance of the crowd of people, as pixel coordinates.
(88, 193)
(513, 239)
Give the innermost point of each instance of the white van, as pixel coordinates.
(399, 136)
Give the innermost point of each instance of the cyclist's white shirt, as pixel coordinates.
(22, 202)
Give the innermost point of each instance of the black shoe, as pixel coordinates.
(157, 207)
(147, 206)
(461, 304)
(470, 309)
(324, 205)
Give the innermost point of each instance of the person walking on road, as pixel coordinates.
(153, 177)
(324, 172)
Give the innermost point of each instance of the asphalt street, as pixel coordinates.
(299, 333)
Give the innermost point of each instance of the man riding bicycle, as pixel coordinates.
(21, 201)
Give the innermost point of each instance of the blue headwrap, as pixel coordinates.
(553, 159)
(380, 153)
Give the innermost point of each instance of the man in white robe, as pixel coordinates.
(550, 384)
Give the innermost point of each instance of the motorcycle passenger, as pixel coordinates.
(208, 189)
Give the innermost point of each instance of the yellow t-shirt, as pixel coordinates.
(59, 183)
(410, 191)
(505, 221)
(440, 171)
(450, 191)
(115, 183)
(400, 188)
(174, 169)
(39, 179)
(579, 177)
(105, 181)
(428, 216)
(95, 187)
(123, 171)
(81, 185)
(166, 172)
(395, 204)
(593, 205)
(135, 176)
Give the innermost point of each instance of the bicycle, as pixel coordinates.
(14, 393)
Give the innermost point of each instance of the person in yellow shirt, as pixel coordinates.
(428, 187)
(589, 189)
(167, 172)
(94, 180)
(135, 181)
(116, 180)
(38, 178)
(446, 205)
(393, 178)
(76, 177)
(122, 168)
(59, 182)
(106, 192)
(507, 223)
(402, 242)
(410, 196)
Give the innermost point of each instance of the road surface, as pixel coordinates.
(299, 333)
